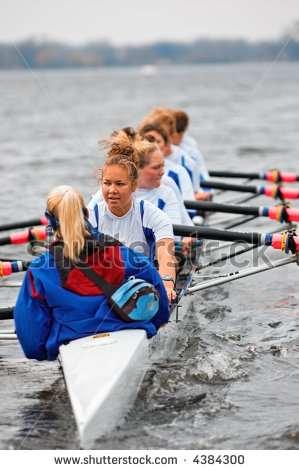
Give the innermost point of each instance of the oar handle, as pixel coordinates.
(286, 193)
(26, 236)
(272, 176)
(281, 241)
(271, 191)
(235, 174)
(275, 176)
(8, 267)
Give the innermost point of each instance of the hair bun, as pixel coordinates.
(121, 149)
(122, 143)
(130, 131)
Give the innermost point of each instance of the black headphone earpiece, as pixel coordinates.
(53, 221)
(85, 212)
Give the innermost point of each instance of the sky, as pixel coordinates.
(139, 21)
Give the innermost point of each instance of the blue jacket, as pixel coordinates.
(48, 315)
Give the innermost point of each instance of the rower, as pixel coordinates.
(156, 133)
(152, 187)
(65, 295)
(167, 118)
(155, 187)
(188, 143)
(136, 223)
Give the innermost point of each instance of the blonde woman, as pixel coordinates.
(59, 302)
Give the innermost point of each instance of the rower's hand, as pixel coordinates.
(203, 196)
(186, 245)
(171, 293)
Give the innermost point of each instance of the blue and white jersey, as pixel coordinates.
(181, 157)
(190, 146)
(181, 178)
(165, 199)
(96, 198)
(183, 216)
(139, 229)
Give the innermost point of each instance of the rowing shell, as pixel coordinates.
(103, 373)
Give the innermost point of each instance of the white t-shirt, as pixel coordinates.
(185, 218)
(190, 146)
(181, 157)
(129, 229)
(164, 198)
(180, 176)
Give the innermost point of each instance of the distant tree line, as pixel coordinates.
(34, 54)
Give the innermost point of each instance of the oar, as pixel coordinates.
(282, 241)
(280, 213)
(6, 313)
(270, 191)
(24, 224)
(279, 241)
(7, 267)
(10, 260)
(239, 274)
(274, 176)
(215, 234)
(26, 236)
(233, 253)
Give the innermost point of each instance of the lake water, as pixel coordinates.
(238, 343)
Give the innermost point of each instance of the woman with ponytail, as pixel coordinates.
(61, 300)
(153, 186)
(136, 223)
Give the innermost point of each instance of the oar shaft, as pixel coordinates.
(230, 187)
(6, 313)
(214, 234)
(278, 241)
(273, 191)
(234, 174)
(216, 207)
(270, 212)
(24, 224)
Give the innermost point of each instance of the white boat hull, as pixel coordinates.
(102, 375)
